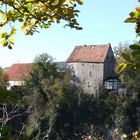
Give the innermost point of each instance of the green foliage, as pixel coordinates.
(7, 38)
(131, 121)
(6, 132)
(3, 78)
(135, 48)
(10, 108)
(134, 18)
(130, 58)
(33, 14)
(60, 111)
(122, 66)
(7, 97)
(126, 57)
(44, 89)
(128, 65)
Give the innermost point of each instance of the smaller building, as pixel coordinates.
(17, 74)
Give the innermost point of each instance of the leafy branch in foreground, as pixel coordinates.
(33, 14)
(135, 18)
(132, 60)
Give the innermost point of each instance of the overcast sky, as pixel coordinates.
(102, 22)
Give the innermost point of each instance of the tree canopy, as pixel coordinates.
(128, 77)
(32, 14)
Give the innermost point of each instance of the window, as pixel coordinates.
(112, 84)
(88, 85)
(90, 74)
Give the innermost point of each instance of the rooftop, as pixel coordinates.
(89, 53)
(19, 71)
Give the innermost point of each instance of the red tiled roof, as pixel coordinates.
(19, 72)
(89, 53)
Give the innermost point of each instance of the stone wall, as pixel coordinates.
(109, 65)
(88, 75)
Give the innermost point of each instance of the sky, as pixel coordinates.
(102, 22)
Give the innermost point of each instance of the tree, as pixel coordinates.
(131, 64)
(127, 76)
(32, 14)
(42, 96)
(12, 115)
(11, 111)
(59, 110)
(132, 59)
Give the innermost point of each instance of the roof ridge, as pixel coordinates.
(93, 45)
(86, 54)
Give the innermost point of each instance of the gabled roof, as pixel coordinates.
(18, 72)
(89, 53)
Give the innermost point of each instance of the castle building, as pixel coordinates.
(92, 68)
